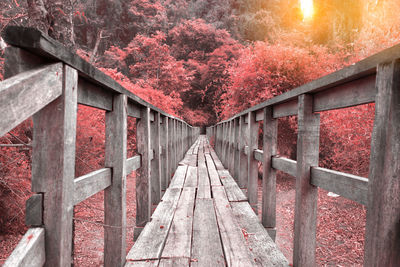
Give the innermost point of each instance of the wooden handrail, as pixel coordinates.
(46, 81)
(375, 79)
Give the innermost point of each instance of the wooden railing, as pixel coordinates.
(375, 79)
(46, 81)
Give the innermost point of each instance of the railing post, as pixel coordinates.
(143, 186)
(236, 166)
(115, 195)
(155, 162)
(270, 132)
(223, 142)
(165, 153)
(53, 165)
(382, 242)
(243, 174)
(305, 218)
(172, 142)
(231, 160)
(252, 191)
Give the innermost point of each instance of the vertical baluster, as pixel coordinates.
(231, 160)
(236, 165)
(143, 185)
(382, 243)
(306, 194)
(243, 174)
(164, 139)
(115, 195)
(155, 162)
(252, 162)
(270, 132)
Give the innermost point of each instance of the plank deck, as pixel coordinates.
(204, 219)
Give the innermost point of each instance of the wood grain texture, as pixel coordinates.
(288, 166)
(132, 164)
(30, 251)
(115, 194)
(204, 189)
(236, 152)
(232, 190)
(305, 221)
(206, 246)
(252, 176)
(155, 163)
(243, 174)
(179, 177)
(382, 243)
(164, 160)
(212, 171)
(191, 177)
(53, 168)
(174, 262)
(93, 96)
(34, 210)
(178, 244)
(26, 93)
(148, 263)
(270, 142)
(90, 184)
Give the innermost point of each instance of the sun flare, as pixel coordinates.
(307, 8)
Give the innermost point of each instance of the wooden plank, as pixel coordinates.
(133, 163)
(190, 160)
(164, 140)
(26, 93)
(134, 110)
(242, 157)
(236, 152)
(115, 194)
(178, 244)
(252, 187)
(206, 246)
(288, 166)
(151, 241)
(179, 177)
(270, 141)
(30, 250)
(204, 190)
(259, 115)
(347, 185)
(285, 109)
(265, 251)
(217, 161)
(155, 164)
(90, 184)
(232, 238)
(94, 96)
(148, 263)
(258, 155)
(191, 177)
(212, 171)
(233, 192)
(174, 262)
(305, 221)
(53, 168)
(170, 150)
(382, 240)
(34, 210)
(143, 190)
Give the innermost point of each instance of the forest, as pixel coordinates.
(204, 61)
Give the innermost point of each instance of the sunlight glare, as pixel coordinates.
(307, 8)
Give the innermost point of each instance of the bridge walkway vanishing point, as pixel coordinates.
(204, 219)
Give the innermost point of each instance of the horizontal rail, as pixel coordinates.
(132, 164)
(24, 94)
(90, 184)
(288, 166)
(30, 250)
(346, 185)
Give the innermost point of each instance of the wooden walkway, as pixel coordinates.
(204, 219)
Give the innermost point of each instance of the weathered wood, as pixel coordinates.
(115, 195)
(164, 160)
(30, 251)
(243, 174)
(170, 151)
(212, 171)
(285, 109)
(34, 210)
(191, 177)
(233, 192)
(206, 246)
(174, 262)
(233, 240)
(152, 239)
(53, 168)
(236, 151)
(133, 163)
(258, 155)
(347, 185)
(217, 162)
(143, 190)
(252, 176)
(270, 140)
(178, 244)
(93, 95)
(155, 164)
(305, 221)
(231, 161)
(204, 190)
(26, 93)
(190, 160)
(147, 263)
(134, 110)
(382, 242)
(265, 251)
(91, 183)
(288, 166)
(179, 177)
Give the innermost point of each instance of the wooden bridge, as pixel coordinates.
(206, 208)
